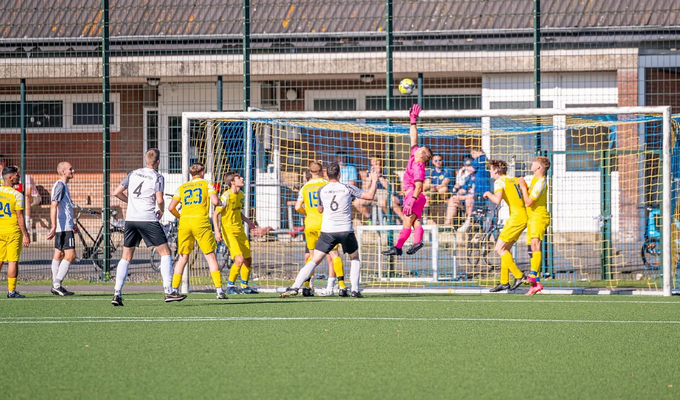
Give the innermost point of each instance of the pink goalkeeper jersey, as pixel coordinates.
(415, 171)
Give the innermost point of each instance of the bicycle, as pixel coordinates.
(651, 248)
(94, 250)
(482, 240)
(170, 229)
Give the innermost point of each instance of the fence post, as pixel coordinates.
(106, 140)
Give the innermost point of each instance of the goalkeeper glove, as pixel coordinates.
(413, 113)
(407, 208)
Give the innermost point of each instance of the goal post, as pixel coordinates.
(610, 165)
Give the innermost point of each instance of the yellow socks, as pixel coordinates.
(339, 272)
(176, 280)
(11, 284)
(510, 264)
(245, 275)
(233, 274)
(216, 278)
(536, 263)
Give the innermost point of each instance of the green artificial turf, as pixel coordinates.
(379, 347)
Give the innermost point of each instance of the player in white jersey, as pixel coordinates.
(61, 216)
(335, 200)
(145, 188)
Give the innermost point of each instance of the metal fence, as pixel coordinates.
(64, 65)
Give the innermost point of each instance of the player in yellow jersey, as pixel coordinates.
(509, 190)
(535, 196)
(231, 218)
(194, 225)
(307, 204)
(13, 232)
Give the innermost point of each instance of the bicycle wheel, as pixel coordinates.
(651, 254)
(224, 258)
(155, 258)
(474, 249)
(491, 258)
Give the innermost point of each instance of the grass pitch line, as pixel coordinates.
(87, 320)
(366, 300)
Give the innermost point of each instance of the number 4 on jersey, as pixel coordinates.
(138, 191)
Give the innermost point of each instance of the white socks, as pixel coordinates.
(121, 274)
(166, 273)
(331, 284)
(55, 269)
(61, 273)
(355, 275)
(304, 273)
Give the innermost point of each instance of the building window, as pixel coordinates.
(433, 102)
(39, 114)
(90, 114)
(196, 132)
(152, 129)
(335, 105)
(588, 148)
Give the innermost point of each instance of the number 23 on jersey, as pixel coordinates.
(193, 196)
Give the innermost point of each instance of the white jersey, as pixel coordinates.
(336, 199)
(142, 185)
(62, 196)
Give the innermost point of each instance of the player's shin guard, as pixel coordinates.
(216, 278)
(11, 284)
(339, 272)
(245, 275)
(166, 272)
(233, 274)
(121, 274)
(536, 266)
(304, 273)
(509, 262)
(355, 274)
(403, 236)
(418, 234)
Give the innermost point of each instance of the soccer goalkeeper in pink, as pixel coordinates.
(412, 187)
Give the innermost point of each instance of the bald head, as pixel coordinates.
(65, 170)
(63, 166)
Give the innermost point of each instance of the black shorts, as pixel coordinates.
(64, 241)
(151, 231)
(328, 241)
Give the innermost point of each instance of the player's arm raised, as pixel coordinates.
(370, 193)
(413, 115)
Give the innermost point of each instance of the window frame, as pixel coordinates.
(67, 112)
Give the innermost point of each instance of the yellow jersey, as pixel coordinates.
(538, 191)
(11, 201)
(512, 195)
(195, 198)
(309, 194)
(231, 210)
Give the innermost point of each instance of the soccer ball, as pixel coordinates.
(406, 86)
